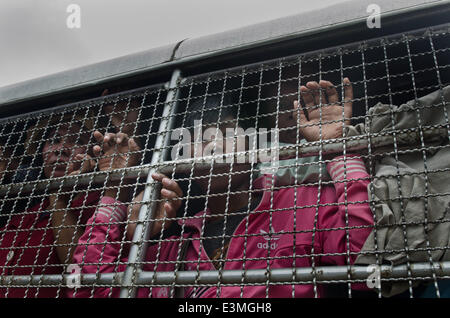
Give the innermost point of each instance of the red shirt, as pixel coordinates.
(27, 247)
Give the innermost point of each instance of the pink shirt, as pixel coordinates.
(280, 233)
(27, 247)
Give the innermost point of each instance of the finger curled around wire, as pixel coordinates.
(299, 112)
(109, 141)
(97, 151)
(171, 189)
(121, 138)
(98, 136)
(136, 155)
(83, 163)
(330, 91)
(105, 140)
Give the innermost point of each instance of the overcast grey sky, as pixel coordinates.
(35, 40)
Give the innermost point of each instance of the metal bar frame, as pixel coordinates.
(143, 227)
(322, 274)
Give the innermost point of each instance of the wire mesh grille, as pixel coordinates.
(317, 175)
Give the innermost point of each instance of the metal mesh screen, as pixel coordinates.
(317, 175)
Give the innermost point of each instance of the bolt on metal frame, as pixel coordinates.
(182, 91)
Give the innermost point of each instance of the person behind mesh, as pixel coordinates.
(247, 223)
(13, 169)
(35, 241)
